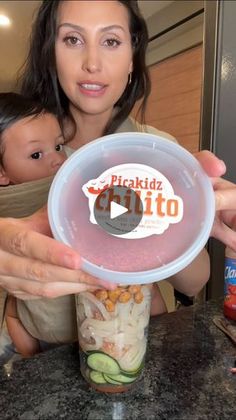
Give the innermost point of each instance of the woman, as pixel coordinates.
(89, 69)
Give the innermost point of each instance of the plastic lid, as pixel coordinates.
(174, 182)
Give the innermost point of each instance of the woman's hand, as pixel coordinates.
(225, 195)
(33, 265)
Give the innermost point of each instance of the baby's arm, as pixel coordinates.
(25, 344)
(158, 305)
(188, 281)
(192, 278)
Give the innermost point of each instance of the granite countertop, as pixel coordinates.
(186, 377)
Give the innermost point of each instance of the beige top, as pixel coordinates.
(21, 201)
(51, 320)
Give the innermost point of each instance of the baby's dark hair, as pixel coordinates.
(15, 107)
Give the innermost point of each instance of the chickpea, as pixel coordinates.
(101, 295)
(138, 297)
(114, 294)
(121, 289)
(124, 297)
(134, 288)
(109, 305)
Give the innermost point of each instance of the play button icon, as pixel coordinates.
(118, 210)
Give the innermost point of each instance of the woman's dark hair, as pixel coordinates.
(39, 79)
(14, 107)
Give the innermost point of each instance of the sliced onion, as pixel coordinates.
(90, 346)
(87, 298)
(139, 308)
(124, 327)
(80, 312)
(111, 326)
(91, 328)
(124, 310)
(132, 359)
(124, 339)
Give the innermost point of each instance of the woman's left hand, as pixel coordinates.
(225, 195)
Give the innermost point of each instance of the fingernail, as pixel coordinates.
(110, 286)
(72, 261)
(106, 284)
(223, 166)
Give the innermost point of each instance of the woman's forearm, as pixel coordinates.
(192, 279)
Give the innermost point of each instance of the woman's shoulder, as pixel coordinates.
(130, 124)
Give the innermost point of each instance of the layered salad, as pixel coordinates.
(112, 333)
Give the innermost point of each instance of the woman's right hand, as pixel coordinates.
(225, 198)
(34, 265)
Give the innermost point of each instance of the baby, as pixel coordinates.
(31, 142)
(31, 148)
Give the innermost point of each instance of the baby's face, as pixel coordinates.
(33, 149)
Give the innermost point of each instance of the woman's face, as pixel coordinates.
(93, 53)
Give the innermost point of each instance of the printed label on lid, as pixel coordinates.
(148, 198)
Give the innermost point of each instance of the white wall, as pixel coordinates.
(179, 39)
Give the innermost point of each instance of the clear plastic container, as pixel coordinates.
(112, 333)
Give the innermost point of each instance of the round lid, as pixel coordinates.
(137, 207)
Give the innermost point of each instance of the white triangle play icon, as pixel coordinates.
(116, 210)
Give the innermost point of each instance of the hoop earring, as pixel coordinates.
(130, 78)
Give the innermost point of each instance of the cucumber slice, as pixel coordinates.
(110, 380)
(122, 378)
(97, 377)
(136, 372)
(103, 363)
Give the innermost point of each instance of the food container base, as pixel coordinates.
(108, 388)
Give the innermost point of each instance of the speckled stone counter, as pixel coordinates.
(186, 377)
